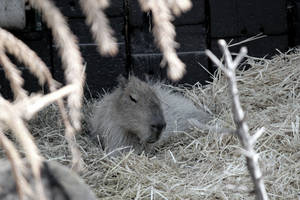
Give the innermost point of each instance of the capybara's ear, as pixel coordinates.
(122, 81)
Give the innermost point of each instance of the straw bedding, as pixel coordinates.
(201, 164)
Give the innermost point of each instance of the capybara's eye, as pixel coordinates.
(132, 98)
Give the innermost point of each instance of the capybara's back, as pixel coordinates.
(179, 111)
(129, 117)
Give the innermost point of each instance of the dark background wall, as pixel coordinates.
(197, 30)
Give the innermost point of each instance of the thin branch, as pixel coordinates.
(239, 58)
(227, 55)
(242, 131)
(215, 60)
(257, 135)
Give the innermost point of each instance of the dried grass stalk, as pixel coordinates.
(74, 70)
(17, 48)
(12, 118)
(102, 32)
(164, 31)
(179, 6)
(25, 107)
(30, 106)
(41, 71)
(77, 162)
(70, 54)
(14, 76)
(25, 55)
(242, 128)
(17, 166)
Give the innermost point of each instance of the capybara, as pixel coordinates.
(129, 117)
(135, 114)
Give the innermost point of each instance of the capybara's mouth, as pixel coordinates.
(151, 140)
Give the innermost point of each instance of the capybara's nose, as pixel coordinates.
(156, 130)
(158, 127)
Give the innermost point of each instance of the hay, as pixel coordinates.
(197, 164)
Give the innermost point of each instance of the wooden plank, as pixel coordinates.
(189, 37)
(72, 9)
(149, 64)
(101, 72)
(234, 18)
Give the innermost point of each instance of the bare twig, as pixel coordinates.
(242, 131)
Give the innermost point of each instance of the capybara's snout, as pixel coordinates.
(156, 127)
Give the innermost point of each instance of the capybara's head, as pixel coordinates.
(140, 110)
